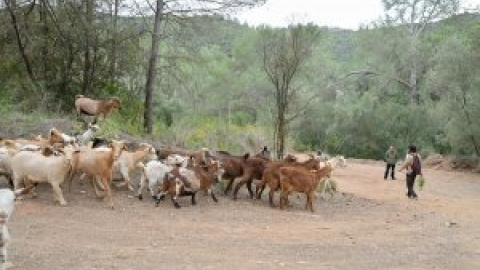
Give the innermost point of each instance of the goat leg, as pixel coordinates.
(193, 198)
(57, 193)
(260, 187)
(270, 197)
(310, 200)
(189, 193)
(229, 186)
(158, 198)
(282, 200)
(106, 181)
(249, 187)
(175, 202)
(244, 179)
(213, 195)
(4, 238)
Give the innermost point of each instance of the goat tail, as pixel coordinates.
(78, 96)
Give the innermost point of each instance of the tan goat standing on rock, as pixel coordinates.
(96, 108)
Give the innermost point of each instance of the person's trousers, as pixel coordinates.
(410, 184)
(390, 166)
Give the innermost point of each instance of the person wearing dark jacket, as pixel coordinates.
(413, 165)
(391, 158)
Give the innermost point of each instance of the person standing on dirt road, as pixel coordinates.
(413, 165)
(391, 158)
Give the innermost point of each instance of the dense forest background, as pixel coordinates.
(222, 84)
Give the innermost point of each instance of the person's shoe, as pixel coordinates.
(393, 178)
(384, 178)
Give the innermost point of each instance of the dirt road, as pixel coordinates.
(372, 225)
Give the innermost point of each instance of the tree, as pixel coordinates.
(455, 79)
(415, 16)
(152, 67)
(284, 53)
(179, 9)
(13, 8)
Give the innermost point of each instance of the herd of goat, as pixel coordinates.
(59, 158)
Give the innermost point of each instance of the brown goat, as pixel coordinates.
(96, 108)
(187, 182)
(301, 180)
(253, 168)
(233, 167)
(271, 176)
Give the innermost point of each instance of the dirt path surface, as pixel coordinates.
(372, 225)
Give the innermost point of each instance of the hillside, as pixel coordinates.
(352, 92)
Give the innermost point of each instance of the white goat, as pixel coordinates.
(327, 185)
(5, 164)
(7, 198)
(6, 154)
(129, 161)
(176, 159)
(88, 135)
(337, 161)
(154, 173)
(37, 167)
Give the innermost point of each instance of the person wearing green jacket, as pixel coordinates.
(391, 158)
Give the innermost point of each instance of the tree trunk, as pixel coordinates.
(414, 98)
(474, 142)
(281, 135)
(87, 65)
(113, 49)
(11, 6)
(43, 19)
(281, 127)
(152, 69)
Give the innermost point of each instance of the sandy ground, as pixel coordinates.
(369, 225)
